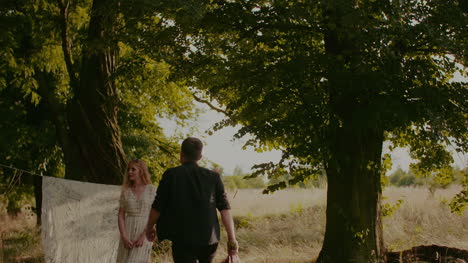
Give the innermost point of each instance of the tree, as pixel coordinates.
(327, 82)
(84, 115)
(79, 94)
(80, 63)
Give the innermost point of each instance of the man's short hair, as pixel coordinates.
(192, 148)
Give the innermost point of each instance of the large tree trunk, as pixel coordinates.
(354, 228)
(92, 114)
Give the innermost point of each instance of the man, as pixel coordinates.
(185, 209)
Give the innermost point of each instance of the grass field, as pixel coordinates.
(288, 226)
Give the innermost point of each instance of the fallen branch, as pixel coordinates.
(432, 254)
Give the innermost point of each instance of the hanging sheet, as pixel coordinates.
(79, 221)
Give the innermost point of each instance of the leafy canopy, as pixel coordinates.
(36, 89)
(291, 72)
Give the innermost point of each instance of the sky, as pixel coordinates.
(221, 148)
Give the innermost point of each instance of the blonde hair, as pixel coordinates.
(144, 173)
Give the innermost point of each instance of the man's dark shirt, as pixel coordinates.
(187, 199)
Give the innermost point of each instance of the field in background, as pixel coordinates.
(288, 226)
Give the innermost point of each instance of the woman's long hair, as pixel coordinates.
(144, 173)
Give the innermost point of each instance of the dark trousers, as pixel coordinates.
(188, 254)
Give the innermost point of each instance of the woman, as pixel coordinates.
(135, 203)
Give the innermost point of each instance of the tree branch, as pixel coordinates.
(66, 43)
(210, 105)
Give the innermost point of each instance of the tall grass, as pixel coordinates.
(20, 239)
(288, 226)
(424, 219)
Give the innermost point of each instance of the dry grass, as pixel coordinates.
(253, 202)
(423, 219)
(20, 239)
(288, 226)
(279, 228)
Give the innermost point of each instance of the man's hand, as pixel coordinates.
(150, 230)
(233, 247)
(151, 234)
(233, 252)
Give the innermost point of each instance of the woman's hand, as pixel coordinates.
(127, 243)
(139, 242)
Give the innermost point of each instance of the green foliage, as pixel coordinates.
(297, 209)
(147, 94)
(438, 179)
(326, 82)
(460, 175)
(243, 221)
(360, 237)
(386, 166)
(293, 72)
(36, 85)
(27, 132)
(389, 210)
(241, 180)
(433, 180)
(402, 178)
(459, 202)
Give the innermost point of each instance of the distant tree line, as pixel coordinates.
(450, 176)
(244, 180)
(400, 178)
(239, 180)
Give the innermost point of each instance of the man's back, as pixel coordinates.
(187, 198)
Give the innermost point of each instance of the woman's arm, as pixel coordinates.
(121, 220)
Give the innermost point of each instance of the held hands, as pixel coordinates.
(151, 234)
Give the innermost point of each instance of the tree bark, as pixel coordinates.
(354, 228)
(92, 113)
(353, 218)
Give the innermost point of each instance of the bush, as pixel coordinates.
(239, 182)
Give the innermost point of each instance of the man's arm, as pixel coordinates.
(228, 222)
(152, 219)
(159, 201)
(223, 206)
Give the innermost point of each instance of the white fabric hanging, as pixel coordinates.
(79, 221)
